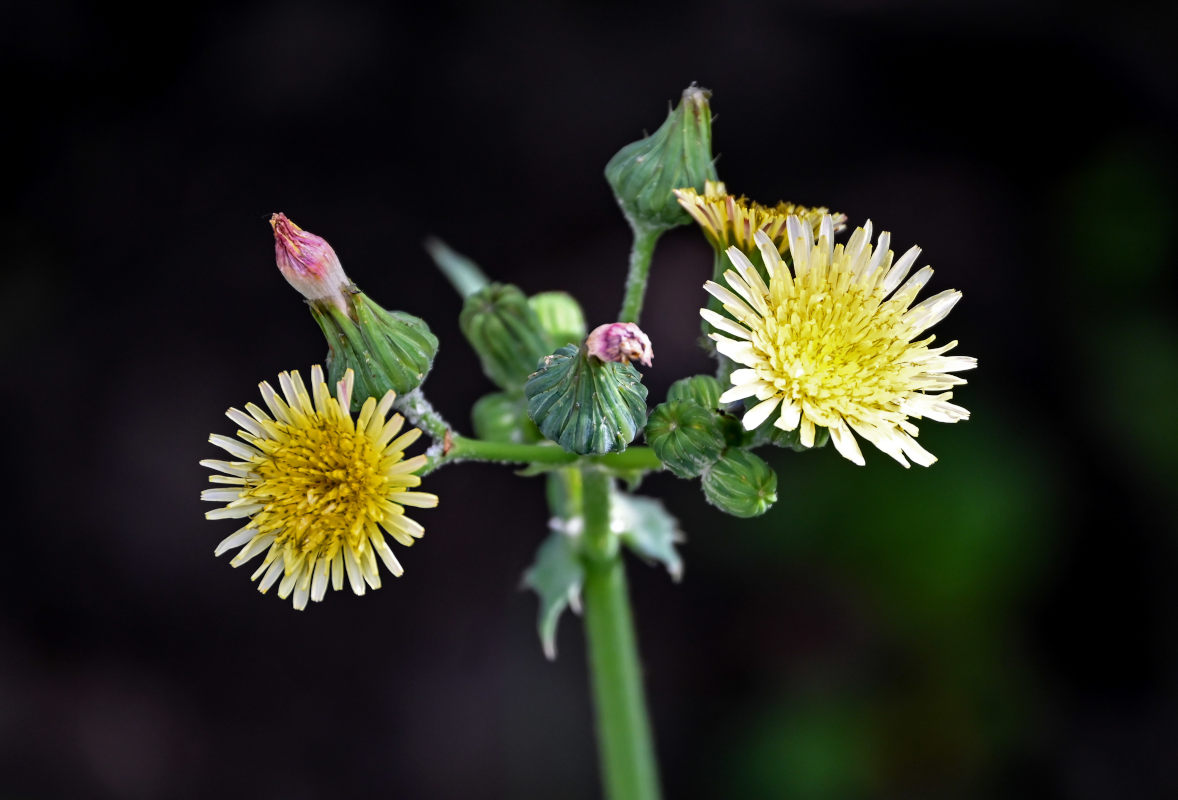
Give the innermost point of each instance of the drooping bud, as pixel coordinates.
(741, 484)
(685, 436)
(499, 417)
(584, 404)
(385, 349)
(702, 389)
(505, 333)
(645, 173)
(308, 263)
(620, 341)
(561, 316)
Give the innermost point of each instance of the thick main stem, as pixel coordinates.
(629, 771)
(641, 253)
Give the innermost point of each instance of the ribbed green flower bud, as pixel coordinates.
(505, 333)
(499, 417)
(385, 349)
(702, 389)
(685, 436)
(645, 173)
(741, 484)
(584, 404)
(561, 316)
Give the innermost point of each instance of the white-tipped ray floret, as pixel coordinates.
(833, 342)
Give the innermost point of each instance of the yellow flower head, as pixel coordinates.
(832, 343)
(730, 221)
(317, 487)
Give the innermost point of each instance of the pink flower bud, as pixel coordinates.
(308, 263)
(620, 341)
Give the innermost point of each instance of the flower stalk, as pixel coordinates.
(645, 239)
(625, 744)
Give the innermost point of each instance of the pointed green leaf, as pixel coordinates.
(648, 529)
(556, 577)
(464, 275)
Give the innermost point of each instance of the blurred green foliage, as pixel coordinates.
(1115, 230)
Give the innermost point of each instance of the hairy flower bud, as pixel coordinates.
(308, 263)
(620, 341)
(645, 173)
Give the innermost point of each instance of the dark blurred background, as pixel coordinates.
(1000, 625)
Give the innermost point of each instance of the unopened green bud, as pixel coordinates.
(584, 404)
(505, 333)
(685, 436)
(702, 389)
(385, 349)
(561, 316)
(499, 417)
(644, 174)
(741, 484)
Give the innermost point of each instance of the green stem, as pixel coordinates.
(626, 748)
(641, 253)
(421, 414)
(466, 449)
